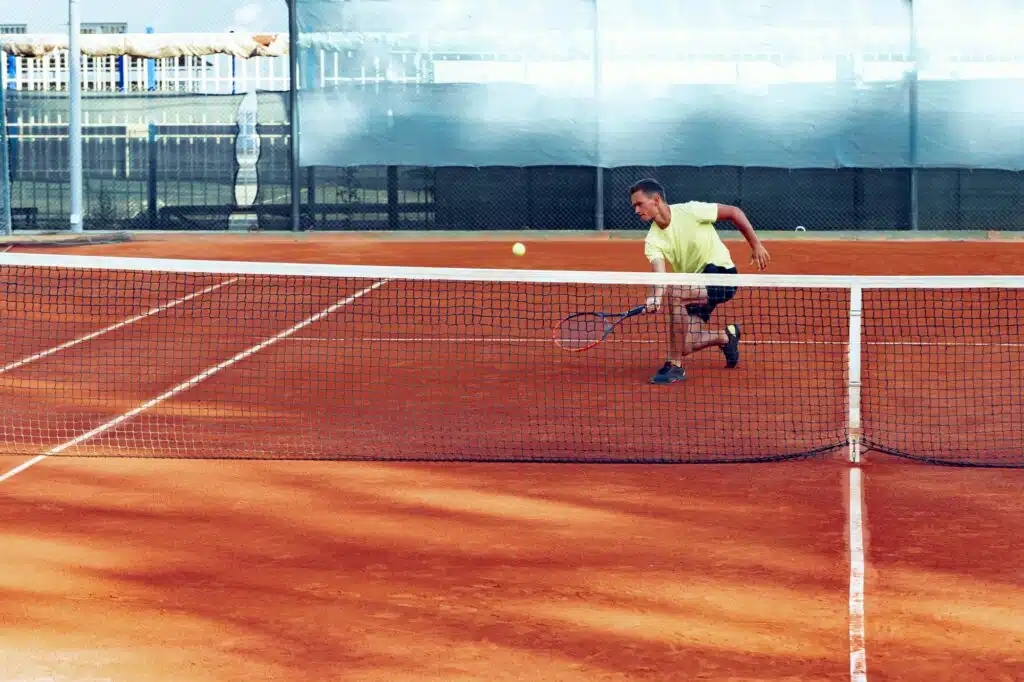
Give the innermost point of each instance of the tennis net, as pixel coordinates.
(177, 358)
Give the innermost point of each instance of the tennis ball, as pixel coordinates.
(518, 249)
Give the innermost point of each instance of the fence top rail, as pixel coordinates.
(509, 275)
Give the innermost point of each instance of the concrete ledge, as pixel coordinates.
(31, 238)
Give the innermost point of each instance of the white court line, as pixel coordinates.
(123, 323)
(548, 339)
(202, 376)
(858, 655)
(21, 467)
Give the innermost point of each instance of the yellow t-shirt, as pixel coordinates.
(690, 241)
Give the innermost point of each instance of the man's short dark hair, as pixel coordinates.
(648, 186)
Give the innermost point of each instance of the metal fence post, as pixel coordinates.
(151, 176)
(311, 195)
(393, 221)
(293, 112)
(599, 168)
(6, 226)
(913, 123)
(75, 115)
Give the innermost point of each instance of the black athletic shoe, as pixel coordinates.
(668, 374)
(731, 350)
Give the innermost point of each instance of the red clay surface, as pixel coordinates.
(168, 570)
(380, 358)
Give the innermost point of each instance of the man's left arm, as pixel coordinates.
(758, 254)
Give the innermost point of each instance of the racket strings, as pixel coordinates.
(581, 331)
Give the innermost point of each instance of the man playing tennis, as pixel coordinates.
(683, 236)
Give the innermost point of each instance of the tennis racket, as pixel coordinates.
(581, 331)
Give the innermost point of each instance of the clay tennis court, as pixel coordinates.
(158, 569)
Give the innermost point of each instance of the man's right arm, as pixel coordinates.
(654, 300)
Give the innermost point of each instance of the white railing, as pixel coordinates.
(211, 74)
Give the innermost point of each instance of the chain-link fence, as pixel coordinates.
(877, 115)
(144, 157)
(566, 198)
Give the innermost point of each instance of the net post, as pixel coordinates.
(854, 372)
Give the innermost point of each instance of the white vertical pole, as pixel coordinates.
(599, 170)
(856, 305)
(293, 117)
(913, 122)
(5, 177)
(75, 114)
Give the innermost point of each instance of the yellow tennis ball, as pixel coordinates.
(518, 249)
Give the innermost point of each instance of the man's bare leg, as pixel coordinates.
(690, 334)
(699, 335)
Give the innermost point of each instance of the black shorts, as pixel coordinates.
(716, 294)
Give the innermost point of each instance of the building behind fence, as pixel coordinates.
(203, 143)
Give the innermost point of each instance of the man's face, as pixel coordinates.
(645, 205)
